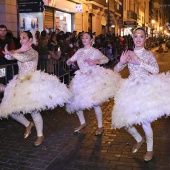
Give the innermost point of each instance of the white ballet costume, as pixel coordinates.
(91, 85)
(136, 98)
(31, 91)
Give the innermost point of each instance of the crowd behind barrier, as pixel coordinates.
(52, 66)
(55, 48)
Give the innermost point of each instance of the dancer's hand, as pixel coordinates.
(6, 51)
(70, 63)
(124, 57)
(133, 58)
(90, 62)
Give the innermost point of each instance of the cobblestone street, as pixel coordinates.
(63, 150)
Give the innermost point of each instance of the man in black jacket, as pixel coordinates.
(3, 41)
(6, 75)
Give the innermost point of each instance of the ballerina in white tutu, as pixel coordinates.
(92, 84)
(135, 93)
(31, 91)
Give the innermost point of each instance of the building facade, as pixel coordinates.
(9, 15)
(100, 16)
(135, 14)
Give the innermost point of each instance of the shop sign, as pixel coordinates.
(130, 23)
(27, 6)
(120, 22)
(78, 8)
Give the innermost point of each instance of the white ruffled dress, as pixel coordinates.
(32, 90)
(91, 85)
(141, 97)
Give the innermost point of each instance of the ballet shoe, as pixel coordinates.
(148, 155)
(28, 130)
(77, 130)
(39, 140)
(137, 146)
(99, 131)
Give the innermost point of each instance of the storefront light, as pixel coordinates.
(113, 26)
(61, 17)
(153, 21)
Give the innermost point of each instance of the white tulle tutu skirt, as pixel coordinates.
(142, 100)
(35, 91)
(92, 88)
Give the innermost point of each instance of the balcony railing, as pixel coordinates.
(131, 15)
(113, 5)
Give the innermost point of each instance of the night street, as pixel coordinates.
(63, 150)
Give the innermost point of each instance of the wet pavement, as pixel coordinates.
(63, 150)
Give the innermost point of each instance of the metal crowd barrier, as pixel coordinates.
(51, 66)
(7, 72)
(56, 67)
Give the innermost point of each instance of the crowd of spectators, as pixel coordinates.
(58, 45)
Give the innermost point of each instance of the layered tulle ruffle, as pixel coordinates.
(34, 91)
(142, 100)
(92, 88)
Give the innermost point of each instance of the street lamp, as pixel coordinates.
(153, 22)
(108, 16)
(161, 28)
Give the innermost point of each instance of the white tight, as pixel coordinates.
(148, 133)
(98, 113)
(37, 118)
(81, 117)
